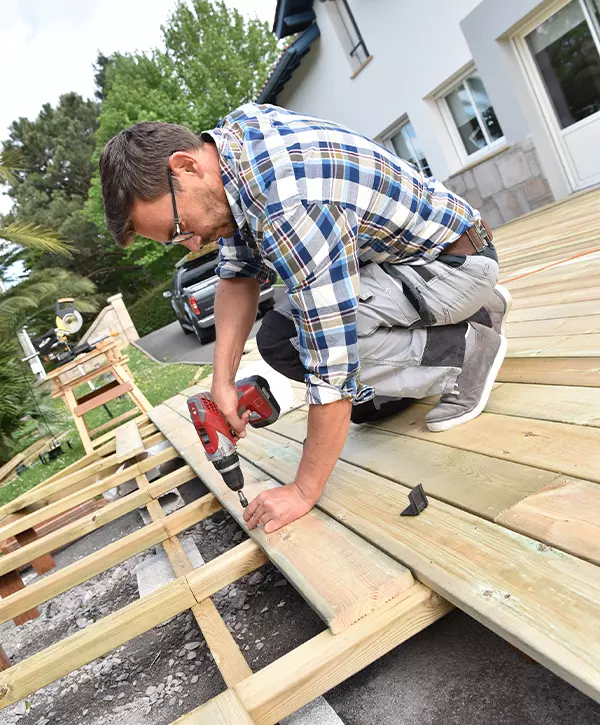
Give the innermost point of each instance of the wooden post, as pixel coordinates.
(43, 564)
(10, 583)
(4, 661)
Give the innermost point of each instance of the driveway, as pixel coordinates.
(170, 344)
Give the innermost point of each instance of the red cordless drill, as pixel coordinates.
(218, 438)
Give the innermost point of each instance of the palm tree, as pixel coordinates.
(26, 234)
(30, 302)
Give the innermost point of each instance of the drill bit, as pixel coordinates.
(243, 499)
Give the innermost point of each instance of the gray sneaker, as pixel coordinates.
(499, 307)
(484, 353)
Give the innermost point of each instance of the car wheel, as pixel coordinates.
(185, 329)
(265, 307)
(204, 335)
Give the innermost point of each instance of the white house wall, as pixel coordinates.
(413, 53)
(417, 46)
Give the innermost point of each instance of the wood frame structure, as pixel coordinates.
(67, 377)
(510, 534)
(370, 602)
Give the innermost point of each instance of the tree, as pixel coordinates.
(50, 188)
(214, 60)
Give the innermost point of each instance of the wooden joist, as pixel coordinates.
(128, 442)
(96, 640)
(315, 667)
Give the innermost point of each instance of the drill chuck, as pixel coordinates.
(229, 468)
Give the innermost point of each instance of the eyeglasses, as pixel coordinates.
(179, 237)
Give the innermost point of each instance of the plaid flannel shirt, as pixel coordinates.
(311, 199)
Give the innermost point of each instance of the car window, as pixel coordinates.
(199, 273)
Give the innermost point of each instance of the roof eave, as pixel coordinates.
(292, 16)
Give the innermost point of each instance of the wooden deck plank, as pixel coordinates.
(560, 403)
(567, 346)
(582, 371)
(343, 579)
(561, 327)
(129, 442)
(545, 602)
(559, 447)
(479, 484)
(564, 514)
(553, 312)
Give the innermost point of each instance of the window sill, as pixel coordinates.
(481, 157)
(361, 67)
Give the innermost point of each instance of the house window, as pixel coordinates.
(349, 33)
(473, 115)
(405, 144)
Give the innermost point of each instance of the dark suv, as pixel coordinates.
(193, 296)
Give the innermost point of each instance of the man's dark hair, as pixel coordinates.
(134, 165)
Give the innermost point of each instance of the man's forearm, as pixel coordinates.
(327, 431)
(236, 304)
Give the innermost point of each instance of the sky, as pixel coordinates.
(48, 47)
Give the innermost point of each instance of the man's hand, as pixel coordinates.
(327, 429)
(226, 399)
(277, 507)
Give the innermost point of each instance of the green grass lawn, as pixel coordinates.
(157, 382)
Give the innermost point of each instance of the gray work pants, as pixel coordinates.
(411, 324)
(410, 340)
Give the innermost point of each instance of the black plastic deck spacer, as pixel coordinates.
(417, 502)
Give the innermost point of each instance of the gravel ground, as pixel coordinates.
(168, 671)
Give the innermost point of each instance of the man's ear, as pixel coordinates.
(184, 162)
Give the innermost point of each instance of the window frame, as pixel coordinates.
(460, 79)
(385, 139)
(344, 34)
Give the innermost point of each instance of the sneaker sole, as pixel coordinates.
(437, 427)
(507, 297)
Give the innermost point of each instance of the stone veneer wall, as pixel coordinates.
(505, 186)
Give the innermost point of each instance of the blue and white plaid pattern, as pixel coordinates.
(312, 198)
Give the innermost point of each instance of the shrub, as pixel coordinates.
(152, 311)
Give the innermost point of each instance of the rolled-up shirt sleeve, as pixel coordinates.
(238, 258)
(313, 248)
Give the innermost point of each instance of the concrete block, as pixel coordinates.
(456, 184)
(526, 144)
(487, 178)
(169, 502)
(509, 205)
(535, 189)
(538, 203)
(156, 571)
(153, 573)
(469, 179)
(513, 168)
(317, 712)
(533, 163)
(473, 196)
(491, 214)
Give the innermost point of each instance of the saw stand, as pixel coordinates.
(68, 377)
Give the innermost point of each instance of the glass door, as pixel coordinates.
(565, 50)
